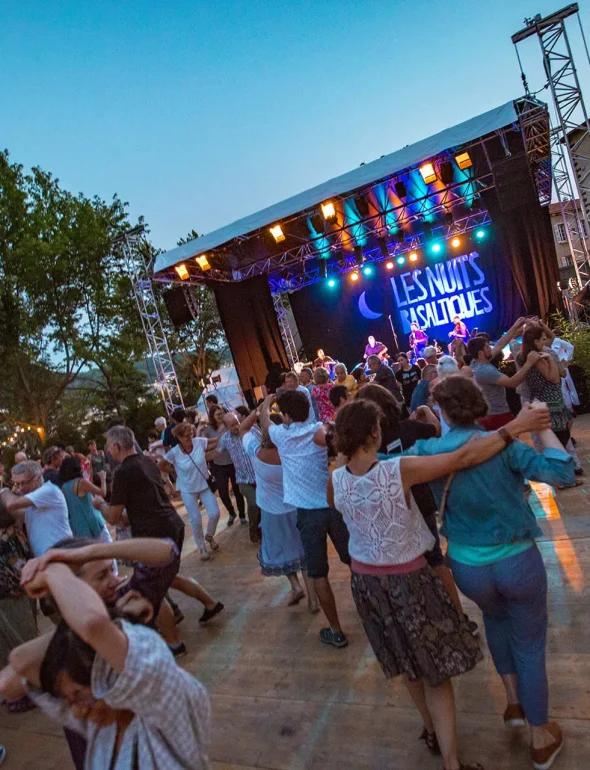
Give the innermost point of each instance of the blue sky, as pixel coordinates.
(198, 113)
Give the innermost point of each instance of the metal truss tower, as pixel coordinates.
(282, 307)
(570, 135)
(139, 270)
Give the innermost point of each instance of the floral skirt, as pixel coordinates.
(414, 627)
(281, 551)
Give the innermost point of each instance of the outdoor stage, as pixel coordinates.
(454, 224)
(284, 701)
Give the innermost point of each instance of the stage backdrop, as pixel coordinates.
(476, 283)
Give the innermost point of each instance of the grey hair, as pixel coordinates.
(447, 365)
(160, 421)
(429, 351)
(29, 467)
(122, 436)
(343, 366)
(373, 360)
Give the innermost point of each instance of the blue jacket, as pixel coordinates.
(486, 504)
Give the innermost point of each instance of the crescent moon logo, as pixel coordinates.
(366, 310)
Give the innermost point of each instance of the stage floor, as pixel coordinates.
(283, 701)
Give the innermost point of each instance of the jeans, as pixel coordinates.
(315, 525)
(512, 593)
(191, 503)
(249, 492)
(223, 474)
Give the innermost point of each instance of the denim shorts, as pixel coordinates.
(315, 525)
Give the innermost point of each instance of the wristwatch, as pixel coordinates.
(508, 439)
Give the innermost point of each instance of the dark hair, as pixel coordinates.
(387, 403)
(357, 373)
(66, 653)
(403, 355)
(243, 410)
(356, 423)
(71, 468)
(337, 393)
(475, 346)
(295, 404)
(178, 415)
(154, 434)
(211, 414)
(421, 363)
(212, 397)
(460, 399)
(531, 334)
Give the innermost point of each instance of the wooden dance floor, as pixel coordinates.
(283, 701)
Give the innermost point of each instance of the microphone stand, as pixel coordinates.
(394, 334)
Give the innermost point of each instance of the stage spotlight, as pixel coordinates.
(362, 205)
(277, 233)
(456, 242)
(428, 173)
(427, 230)
(182, 271)
(413, 256)
(354, 276)
(400, 189)
(383, 247)
(463, 160)
(389, 265)
(436, 248)
(401, 236)
(323, 269)
(203, 262)
(449, 218)
(329, 211)
(480, 234)
(358, 255)
(401, 260)
(445, 171)
(367, 270)
(317, 223)
(332, 282)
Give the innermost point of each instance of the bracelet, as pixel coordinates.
(508, 439)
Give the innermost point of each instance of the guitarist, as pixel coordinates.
(375, 348)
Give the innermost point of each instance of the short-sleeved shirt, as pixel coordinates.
(374, 350)
(168, 438)
(420, 395)
(386, 378)
(305, 464)
(222, 458)
(241, 461)
(50, 474)
(46, 518)
(139, 487)
(172, 713)
(487, 376)
(269, 479)
(191, 470)
(408, 380)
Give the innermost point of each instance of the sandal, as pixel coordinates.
(212, 543)
(296, 597)
(20, 705)
(431, 742)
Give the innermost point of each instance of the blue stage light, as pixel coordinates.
(368, 270)
(436, 248)
(401, 260)
(331, 282)
(480, 234)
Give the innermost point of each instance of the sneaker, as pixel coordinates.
(579, 471)
(336, 639)
(514, 716)
(472, 626)
(178, 650)
(204, 554)
(543, 759)
(231, 519)
(243, 521)
(2, 754)
(212, 543)
(208, 614)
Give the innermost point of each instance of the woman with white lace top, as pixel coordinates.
(411, 622)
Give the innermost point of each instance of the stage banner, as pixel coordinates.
(476, 284)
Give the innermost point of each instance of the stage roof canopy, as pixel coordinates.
(226, 248)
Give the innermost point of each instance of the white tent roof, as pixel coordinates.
(357, 178)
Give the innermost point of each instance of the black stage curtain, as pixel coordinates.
(525, 237)
(252, 330)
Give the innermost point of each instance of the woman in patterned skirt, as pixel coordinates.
(410, 620)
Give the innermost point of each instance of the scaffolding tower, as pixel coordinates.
(140, 269)
(282, 308)
(570, 134)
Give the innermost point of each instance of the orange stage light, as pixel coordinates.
(182, 271)
(277, 233)
(428, 173)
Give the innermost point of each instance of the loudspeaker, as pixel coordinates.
(179, 305)
(514, 182)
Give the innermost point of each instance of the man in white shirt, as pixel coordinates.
(40, 504)
(304, 457)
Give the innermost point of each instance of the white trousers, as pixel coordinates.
(191, 503)
(105, 537)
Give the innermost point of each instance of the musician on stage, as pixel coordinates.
(418, 340)
(460, 331)
(375, 348)
(322, 359)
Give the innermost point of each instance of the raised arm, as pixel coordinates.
(87, 486)
(417, 470)
(516, 379)
(264, 412)
(24, 662)
(513, 332)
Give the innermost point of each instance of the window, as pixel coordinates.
(560, 233)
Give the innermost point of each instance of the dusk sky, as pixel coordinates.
(198, 113)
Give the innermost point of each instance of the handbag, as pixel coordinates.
(209, 478)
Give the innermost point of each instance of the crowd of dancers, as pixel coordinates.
(382, 462)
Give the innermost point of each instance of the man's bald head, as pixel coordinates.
(231, 422)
